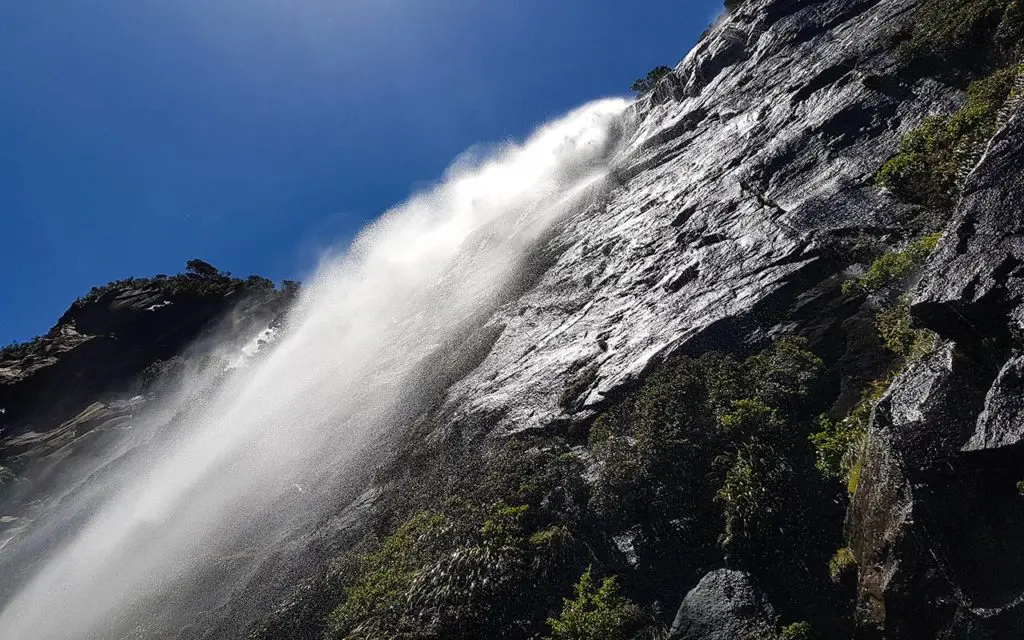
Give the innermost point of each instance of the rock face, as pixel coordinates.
(723, 606)
(745, 179)
(936, 523)
(99, 348)
(737, 207)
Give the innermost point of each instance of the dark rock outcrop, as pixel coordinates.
(937, 517)
(724, 605)
(99, 348)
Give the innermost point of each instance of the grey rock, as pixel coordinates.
(743, 178)
(725, 605)
(938, 505)
(1001, 424)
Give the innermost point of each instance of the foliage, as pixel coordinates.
(842, 564)
(785, 375)
(597, 612)
(387, 574)
(655, 450)
(490, 548)
(201, 269)
(201, 279)
(838, 443)
(890, 268)
(707, 435)
(796, 631)
(898, 335)
(964, 33)
(18, 350)
(466, 575)
(756, 471)
(930, 156)
(645, 84)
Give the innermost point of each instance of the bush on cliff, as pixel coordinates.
(645, 84)
(890, 269)
(968, 34)
(932, 156)
(712, 440)
(598, 612)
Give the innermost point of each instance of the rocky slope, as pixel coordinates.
(91, 371)
(577, 426)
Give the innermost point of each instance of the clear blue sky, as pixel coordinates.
(136, 134)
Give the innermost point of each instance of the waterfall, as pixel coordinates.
(257, 453)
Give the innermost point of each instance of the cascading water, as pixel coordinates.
(261, 452)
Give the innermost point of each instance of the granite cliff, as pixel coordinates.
(766, 386)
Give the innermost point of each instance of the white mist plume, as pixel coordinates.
(236, 467)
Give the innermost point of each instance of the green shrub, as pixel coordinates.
(838, 443)
(756, 471)
(597, 612)
(931, 156)
(201, 279)
(842, 564)
(796, 631)
(964, 33)
(891, 268)
(645, 84)
(18, 350)
(785, 374)
(708, 434)
(458, 572)
(387, 574)
(895, 328)
(653, 447)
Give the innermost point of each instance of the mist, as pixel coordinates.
(257, 453)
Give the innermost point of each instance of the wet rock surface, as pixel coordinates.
(724, 605)
(732, 215)
(938, 515)
(744, 183)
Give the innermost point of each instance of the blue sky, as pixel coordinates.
(136, 134)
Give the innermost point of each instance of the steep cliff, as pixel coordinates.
(767, 386)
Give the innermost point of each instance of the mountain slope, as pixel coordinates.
(765, 386)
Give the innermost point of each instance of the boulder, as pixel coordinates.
(725, 605)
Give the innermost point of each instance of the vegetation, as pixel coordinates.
(597, 612)
(388, 573)
(708, 450)
(18, 350)
(796, 631)
(895, 328)
(461, 569)
(967, 34)
(891, 268)
(716, 440)
(838, 442)
(201, 279)
(756, 473)
(842, 564)
(932, 156)
(645, 84)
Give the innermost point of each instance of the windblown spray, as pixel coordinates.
(251, 460)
